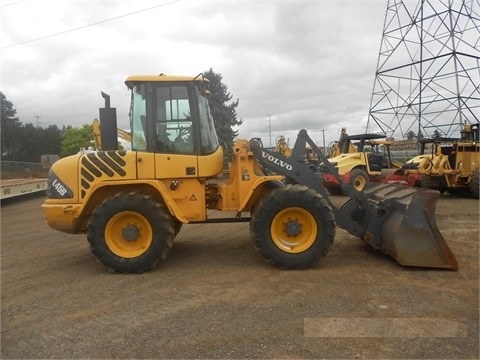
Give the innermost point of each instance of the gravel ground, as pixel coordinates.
(215, 297)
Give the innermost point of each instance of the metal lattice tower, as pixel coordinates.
(428, 73)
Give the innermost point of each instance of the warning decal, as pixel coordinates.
(193, 198)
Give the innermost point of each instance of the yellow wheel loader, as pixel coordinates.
(132, 204)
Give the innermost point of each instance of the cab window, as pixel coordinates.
(173, 123)
(138, 112)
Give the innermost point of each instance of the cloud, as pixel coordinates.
(307, 64)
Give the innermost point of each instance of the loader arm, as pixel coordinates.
(397, 220)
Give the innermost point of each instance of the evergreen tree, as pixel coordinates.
(10, 129)
(411, 135)
(223, 111)
(25, 142)
(51, 137)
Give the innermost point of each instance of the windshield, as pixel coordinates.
(208, 135)
(179, 119)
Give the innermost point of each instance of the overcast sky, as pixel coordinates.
(301, 64)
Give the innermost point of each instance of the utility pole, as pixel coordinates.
(323, 132)
(270, 129)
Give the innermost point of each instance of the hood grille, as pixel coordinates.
(100, 164)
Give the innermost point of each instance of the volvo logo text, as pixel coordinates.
(274, 160)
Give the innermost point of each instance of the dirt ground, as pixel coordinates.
(215, 297)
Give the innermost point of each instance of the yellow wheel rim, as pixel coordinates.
(293, 230)
(359, 183)
(128, 234)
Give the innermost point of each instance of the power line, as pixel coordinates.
(88, 25)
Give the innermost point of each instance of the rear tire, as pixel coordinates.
(130, 232)
(475, 183)
(359, 179)
(292, 227)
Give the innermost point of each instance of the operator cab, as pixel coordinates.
(171, 115)
(470, 132)
(171, 124)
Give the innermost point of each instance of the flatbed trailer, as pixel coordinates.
(17, 187)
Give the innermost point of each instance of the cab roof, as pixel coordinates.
(364, 137)
(162, 78)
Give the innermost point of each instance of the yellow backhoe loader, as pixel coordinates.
(132, 204)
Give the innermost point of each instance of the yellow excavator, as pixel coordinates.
(131, 204)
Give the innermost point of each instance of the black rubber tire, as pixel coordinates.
(425, 182)
(359, 179)
(289, 201)
(475, 183)
(177, 225)
(145, 220)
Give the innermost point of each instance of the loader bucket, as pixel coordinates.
(400, 222)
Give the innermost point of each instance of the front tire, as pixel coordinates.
(292, 227)
(359, 179)
(130, 232)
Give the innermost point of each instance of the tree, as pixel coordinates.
(74, 139)
(25, 142)
(10, 129)
(411, 135)
(223, 111)
(51, 137)
(436, 134)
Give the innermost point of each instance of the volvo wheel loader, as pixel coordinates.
(132, 204)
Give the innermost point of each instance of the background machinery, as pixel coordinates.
(132, 204)
(453, 165)
(282, 146)
(342, 146)
(97, 137)
(369, 161)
